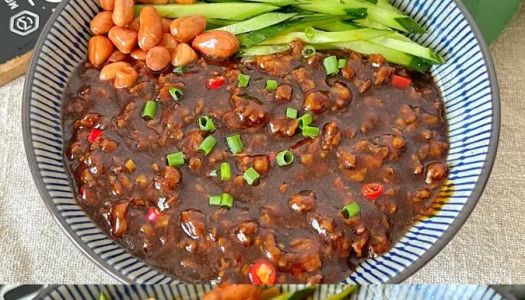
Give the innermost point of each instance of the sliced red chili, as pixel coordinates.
(215, 83)
(372, 191)
(262, 272)
(401, 82)
(94, 135)
(153, 214)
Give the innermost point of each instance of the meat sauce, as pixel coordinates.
(370, 132)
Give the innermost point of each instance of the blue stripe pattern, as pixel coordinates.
(464, 82)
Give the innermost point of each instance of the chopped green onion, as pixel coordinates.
(284, 158)
(309, 32)
(351, 210)
(226, 171)
(330, 65)
(226, 200)
(178, 70)
(341, 63)
(311, 132)
(271, 85)
(206, 124)
(175, 159)
(208, 144)
(243, 80)
(308, 51)
(215, 200)
(213, 173)
(251, 176)
(305, 120)
(235, 144)
(176, 93)
(103, 296)
(150, 110)
(291, 113)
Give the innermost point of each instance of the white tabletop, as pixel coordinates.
(490, 248)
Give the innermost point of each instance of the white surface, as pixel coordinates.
(488, 249)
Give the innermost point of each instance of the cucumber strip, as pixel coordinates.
(297, 23)
(277, 2)
(410, 48)
(380, 15)
(227, 11)
(366, 22)
(344, 293)
(391, 55)
(256, 23)
(263, 50)
(297, 295)
(321, 37)
(337, 26)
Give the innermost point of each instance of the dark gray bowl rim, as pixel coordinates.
(445, 238)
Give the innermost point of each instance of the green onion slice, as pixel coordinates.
(251, 176)
(310, 132)
(243, 80)
(308, 51)
(215, 200)
(284, 158)
(351, 210)
(271, 85)
(330, 65)
(206, 124)
(309, 32)
(305, 120)
(235, 144)
(226, 200)
(176, 93)
(150, 110)
(175, 159)
(178, 70)
(341, 63)
(226, 171)
(207, 145)
(291, 113)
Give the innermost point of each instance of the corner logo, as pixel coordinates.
(24, 23)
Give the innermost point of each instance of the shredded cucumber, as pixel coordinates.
(263, 50)
(256, 23)
(320, 37)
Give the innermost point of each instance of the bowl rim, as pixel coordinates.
(421, 261)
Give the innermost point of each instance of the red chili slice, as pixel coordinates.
(153, 214)
(262, 272)
(94, 135)
(401, 82)
(372, 191)
(215, 83)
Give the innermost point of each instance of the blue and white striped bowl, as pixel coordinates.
(192, 292)
(467, 81)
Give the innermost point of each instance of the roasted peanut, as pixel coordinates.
(150, 33)
(134, 25)
(169, 42)
(99, 49)
(216, 44)
(107, 4)
(158, 58)
(124, 39)
(166, 25)
(185, 1)
(117, 56)
(183, 55)
(101, 23)
(185, 29)
(138, 54)
(122, 72)
(123, 12)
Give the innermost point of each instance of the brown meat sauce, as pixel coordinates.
(370, 132)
